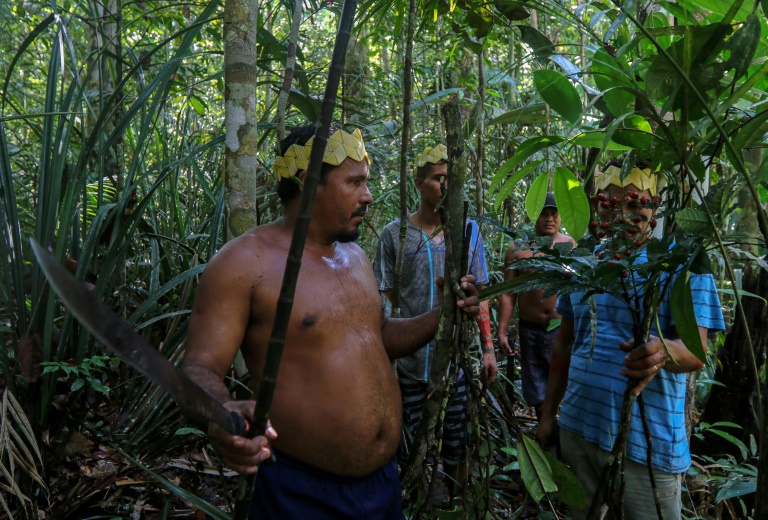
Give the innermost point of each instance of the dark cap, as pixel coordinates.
(549, 202)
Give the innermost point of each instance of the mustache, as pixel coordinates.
(360, 212)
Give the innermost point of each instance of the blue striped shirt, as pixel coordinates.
(592, 404)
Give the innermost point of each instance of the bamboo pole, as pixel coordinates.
(293, 262)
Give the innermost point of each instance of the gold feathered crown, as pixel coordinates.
(340, 146)
(431, 155)
(643, 179)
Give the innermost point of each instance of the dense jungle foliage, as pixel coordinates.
(112, 155)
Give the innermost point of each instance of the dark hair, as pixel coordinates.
(422, 171)
(288, 189)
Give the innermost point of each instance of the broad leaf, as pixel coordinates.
(742, 46)
(752, 131)
(534, 468)
(572, 202)
(531, 146)
(685, 317)
(569, 490)
(541, 45)
(559, 93)
(527, 115)
(537, 195)
(609, 78)
(597, 139)
(635, 131)
(694, 221)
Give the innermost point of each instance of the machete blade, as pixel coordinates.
(120, 337)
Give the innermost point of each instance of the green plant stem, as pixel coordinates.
(293, 262)
(649, 456)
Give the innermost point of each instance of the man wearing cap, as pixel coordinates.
(423, 260)
(336, 404)
(590, 370)
(535, 313)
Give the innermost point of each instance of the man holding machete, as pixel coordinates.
(337, 402)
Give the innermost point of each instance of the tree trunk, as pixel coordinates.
(290, 62)
(446, 337)
(405, 138)
(240, 118)
(734, 401)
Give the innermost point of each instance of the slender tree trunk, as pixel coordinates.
(733, 401)
(290, 62)
(404, 142)
(240, 117)
(446, 332)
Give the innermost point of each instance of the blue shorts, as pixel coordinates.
(291, 489)
(535, 351)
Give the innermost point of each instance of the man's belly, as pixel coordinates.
(342, 417)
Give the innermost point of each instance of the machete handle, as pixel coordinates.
(242, 427)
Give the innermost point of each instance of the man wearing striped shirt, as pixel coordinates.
(591, 382)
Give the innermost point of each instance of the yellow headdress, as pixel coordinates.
(643, 179)
(340, 146)
(431, 155)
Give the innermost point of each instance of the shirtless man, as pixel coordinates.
(337, 403)
(535, 314)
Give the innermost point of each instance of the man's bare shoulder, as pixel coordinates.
(516, 251)
(562, 237)
(252, 248)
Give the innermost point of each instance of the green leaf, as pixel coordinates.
(597, 139)
(534, 468)
(189, 431)
(513, 11)
(541, 45)
(694, 221)
(198, 104)
(480, 19)
(306, 104)
(559, 93)
(537, 195)
(742, 46)
(531, 146)
(572, 202)
(635, 131)
(736, 488)
(684, 316)
(527, 115)
(612, 80)
(569, 490)
(510, 183)
(77, 385)
(752, 131)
